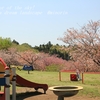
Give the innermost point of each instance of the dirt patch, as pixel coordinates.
(31, 95)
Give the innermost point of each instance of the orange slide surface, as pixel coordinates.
(25, 83)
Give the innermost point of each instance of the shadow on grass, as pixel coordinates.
(22, 96)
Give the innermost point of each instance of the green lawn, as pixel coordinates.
(91, 81)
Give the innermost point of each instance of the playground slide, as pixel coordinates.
(25, 83)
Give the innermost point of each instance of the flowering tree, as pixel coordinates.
(47, 60)
(9, 56)
(40, 61)
(28, 57)
(84, 43)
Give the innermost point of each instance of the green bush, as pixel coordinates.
(52, 68)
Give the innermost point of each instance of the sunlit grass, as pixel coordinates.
(91, 81)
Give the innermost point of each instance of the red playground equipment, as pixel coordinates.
(4, 81)
(7, 75)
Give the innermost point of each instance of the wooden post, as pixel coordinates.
(82, 78)
(59, 76)
(14, 83)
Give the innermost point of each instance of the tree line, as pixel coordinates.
(54, 50)
(6, 43)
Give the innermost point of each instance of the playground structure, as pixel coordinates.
(5, 81)
(8, 76)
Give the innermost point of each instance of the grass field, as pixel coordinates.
(91, 81)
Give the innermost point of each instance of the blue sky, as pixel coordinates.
(38, 21)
